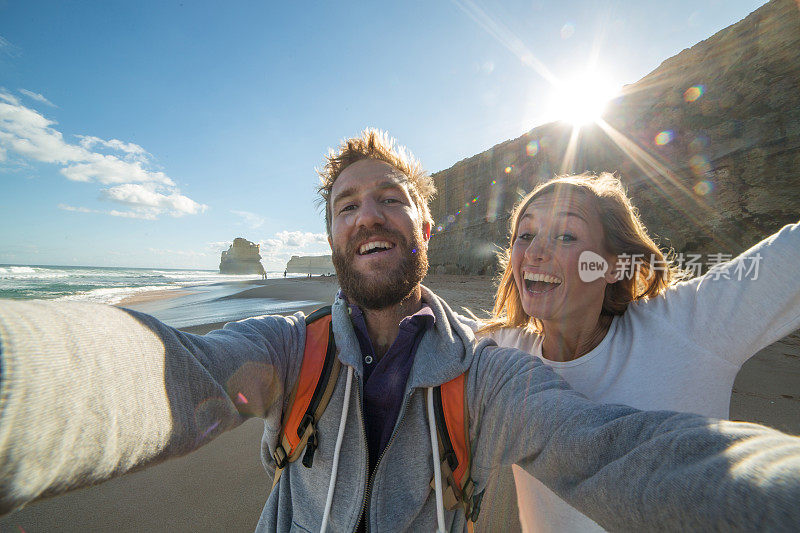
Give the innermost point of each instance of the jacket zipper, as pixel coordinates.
(368, 493)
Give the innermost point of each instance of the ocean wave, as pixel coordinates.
(113, 295)
(26, 272)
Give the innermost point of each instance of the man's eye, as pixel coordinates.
(391, 201)
(349, 207)
(566, 237)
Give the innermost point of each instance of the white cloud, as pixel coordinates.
(251, 219)
(184, 253)
(299, 239)
(219, 245)
(66, 207)
(108, 169)
(145, 197)
(6, 97)
(88, 142)
(38, 97)
(140, 213)
(8, 48)
(277, 251)
(27, 135)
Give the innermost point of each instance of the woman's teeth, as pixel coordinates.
(538, 283)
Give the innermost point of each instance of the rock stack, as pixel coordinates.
(241, 257)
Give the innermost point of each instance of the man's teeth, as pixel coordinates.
(365, 248)
(547, 278)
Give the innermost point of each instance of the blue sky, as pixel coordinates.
(151, 134)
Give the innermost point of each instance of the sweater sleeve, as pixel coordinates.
(89, 392)
(740, 306)
(626, 469)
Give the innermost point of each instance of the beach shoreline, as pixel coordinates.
(223, 486)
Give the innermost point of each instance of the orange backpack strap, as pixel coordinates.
(452, 425)
(314, 388)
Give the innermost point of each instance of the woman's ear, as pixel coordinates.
(612, 275)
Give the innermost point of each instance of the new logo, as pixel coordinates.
(591, 266)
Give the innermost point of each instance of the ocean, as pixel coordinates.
(202, 294)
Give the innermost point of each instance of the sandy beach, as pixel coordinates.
(222, 487)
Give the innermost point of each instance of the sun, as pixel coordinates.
(581, 100)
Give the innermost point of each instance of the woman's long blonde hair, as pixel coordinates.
(623, 233)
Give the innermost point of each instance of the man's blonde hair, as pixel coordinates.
(623, 233)
(379, 145)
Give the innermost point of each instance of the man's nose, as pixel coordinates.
(370, 214)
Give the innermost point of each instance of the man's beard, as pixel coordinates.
(388, 288)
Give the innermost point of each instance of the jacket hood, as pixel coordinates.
(444, 353)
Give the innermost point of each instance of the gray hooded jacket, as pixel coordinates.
(90, 392)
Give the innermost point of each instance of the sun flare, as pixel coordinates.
(581, 101)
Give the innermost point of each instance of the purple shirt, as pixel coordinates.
(385, 380)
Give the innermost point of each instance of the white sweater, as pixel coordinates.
(680, 351)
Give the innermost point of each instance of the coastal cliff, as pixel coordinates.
(310, 264)
(708, 146)
(242, 257)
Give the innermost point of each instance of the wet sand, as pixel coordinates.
(223, 487)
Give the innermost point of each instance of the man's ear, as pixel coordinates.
(426, 230)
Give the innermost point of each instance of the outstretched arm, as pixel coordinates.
(628, 469)
(739, 306)
(89, 392)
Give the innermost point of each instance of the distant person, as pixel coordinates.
(284, 273)
(634, 333)
(90, 392)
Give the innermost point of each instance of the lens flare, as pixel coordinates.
(532, 148)
(494, 182)
(567, 30)
(698, 144)
(509, 169)
(699, 164)
(664, 137)
(439, 228)
(703, 187)
(694, 92)
(451, 219)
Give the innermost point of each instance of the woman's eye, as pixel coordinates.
(525, 236)
(566, 237)
(391, 201)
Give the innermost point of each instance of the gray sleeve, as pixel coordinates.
(626, 469)
(89, 392)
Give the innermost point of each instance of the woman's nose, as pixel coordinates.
(538, 250)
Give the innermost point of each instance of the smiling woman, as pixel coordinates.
(629, 331)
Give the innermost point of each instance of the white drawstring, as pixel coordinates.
(437, 467)
(336, 451)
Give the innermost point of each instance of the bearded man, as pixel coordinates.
(89, 392)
